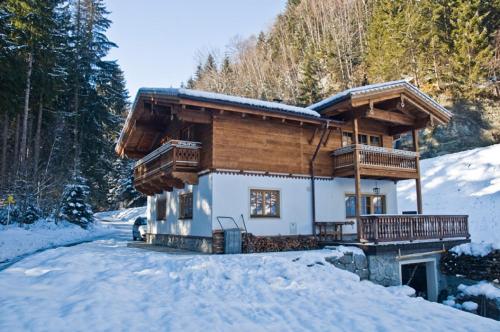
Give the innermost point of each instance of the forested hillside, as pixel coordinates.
(61, 103)
(449, 48)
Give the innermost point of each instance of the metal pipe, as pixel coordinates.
(313, 191)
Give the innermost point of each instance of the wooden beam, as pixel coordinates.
(195, 116)
(313, 135)
(388, 116)
(357, 179)
(418, 185)
(252, 110)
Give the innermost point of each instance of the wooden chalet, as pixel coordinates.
(180, 136)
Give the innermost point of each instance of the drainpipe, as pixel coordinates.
(313, 191)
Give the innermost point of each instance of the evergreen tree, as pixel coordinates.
(309, 81)
(75, 206)
(472, 52)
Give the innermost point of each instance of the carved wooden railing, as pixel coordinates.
(175, 155)
(330, 231)
(385, 228)
(375, 156)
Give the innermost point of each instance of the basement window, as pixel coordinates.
(264, 203)
(186, 206)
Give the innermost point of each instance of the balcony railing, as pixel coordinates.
(374, 158)
(391, 228)
(175, 155)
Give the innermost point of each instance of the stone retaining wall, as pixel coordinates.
(351, 262)
(192, 243)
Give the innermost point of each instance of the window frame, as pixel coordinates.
(263, 215)
(161, 199)
(184, 200)
(349, 134)
(369, 203)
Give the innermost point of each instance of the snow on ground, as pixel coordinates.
(475, 249)
(126, 215)
(482, 288)
(16, 241)
(104, 285)
(466, 182)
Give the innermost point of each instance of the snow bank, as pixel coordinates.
(482, 288)
(402, 290)
(106, 286)
(126, 215)
(475, 249)
(17, 241)
(466, 182)
(469, 306)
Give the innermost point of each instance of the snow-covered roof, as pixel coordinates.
(229, 100)
(373, 88)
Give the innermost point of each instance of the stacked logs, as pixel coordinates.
(252, 243)
(472, 267)
(218, 242)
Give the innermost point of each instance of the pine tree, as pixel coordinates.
(75, 206)
(471, 51)
(309, 81)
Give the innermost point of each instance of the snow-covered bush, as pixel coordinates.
(74, 203)
(10, 215)
(31, 213)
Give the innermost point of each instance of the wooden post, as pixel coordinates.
(418, 185)
(357, 179)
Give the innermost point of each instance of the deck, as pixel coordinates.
(375, 162)
(397, 228)
(171, 165)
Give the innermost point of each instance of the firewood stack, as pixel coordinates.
(472, 267)
(252, 243)
(218, 242)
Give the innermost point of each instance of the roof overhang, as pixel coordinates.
(154, 109)
(397, 103)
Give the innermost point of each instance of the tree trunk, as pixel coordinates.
(24, 137)
(16, 144)
(36, 149)
(5, 137)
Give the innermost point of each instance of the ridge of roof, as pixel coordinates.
(228, 99)
(374, 87)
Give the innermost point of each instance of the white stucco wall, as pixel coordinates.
(231, 197)
(200, 225)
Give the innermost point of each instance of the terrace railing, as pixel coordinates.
(374, 156)
(175, 155)
(392, 228)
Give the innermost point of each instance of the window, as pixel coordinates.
(362, 139)
(370, 204)
(186, 206)
(161, 207)
(375, 141)
(264, 203)
(346, 138)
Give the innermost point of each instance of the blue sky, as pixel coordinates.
(159, 40)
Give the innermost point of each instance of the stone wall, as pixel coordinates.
(192, 243)
(384, 269)
(351, 262)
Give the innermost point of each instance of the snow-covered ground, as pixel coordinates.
(104, 285)
(17, 241)
(126, 215)
(466, 182)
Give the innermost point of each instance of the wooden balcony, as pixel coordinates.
(393, 228)
(171, 165)
(375, 162)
